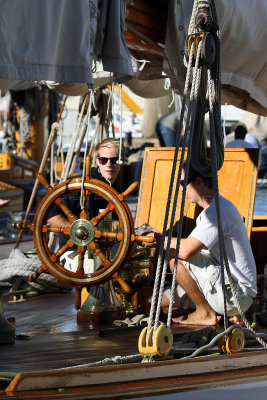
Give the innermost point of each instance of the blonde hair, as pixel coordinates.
(111, 143)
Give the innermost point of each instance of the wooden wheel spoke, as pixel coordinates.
(109, 235)
(65, 209)
(81, 252)
(46, 228)
(83, 214)
(147, 239)
(98, 252)
(61, 251)
(94, 221)
(21, 225)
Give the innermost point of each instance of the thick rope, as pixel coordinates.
(91, 101)
(73, 142)
(216, 198)
(54, 165)
(175, 161)
(192, 116)
(120, 149)
(84, 129)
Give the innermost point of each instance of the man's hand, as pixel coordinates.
(154, 233)
(59, 221)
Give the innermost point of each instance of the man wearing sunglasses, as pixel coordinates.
(108, 168)
(198, 296)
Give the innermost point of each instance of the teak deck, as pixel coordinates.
(56, 342)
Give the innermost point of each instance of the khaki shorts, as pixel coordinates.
(208, 278)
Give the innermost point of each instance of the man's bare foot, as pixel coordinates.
(236, 319)
(196, 318)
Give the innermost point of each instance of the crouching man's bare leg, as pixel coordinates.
(203, 315)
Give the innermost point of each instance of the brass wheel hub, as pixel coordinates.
(82, 232)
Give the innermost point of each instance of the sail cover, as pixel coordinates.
(59, 40)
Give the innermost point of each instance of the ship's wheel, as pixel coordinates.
(83, 234)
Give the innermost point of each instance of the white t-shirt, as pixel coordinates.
(241, 261)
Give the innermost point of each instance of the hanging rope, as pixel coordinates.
(80, 140)
(191, 117)
(156, 295)
(59, 153)
(91, 101)
(40, 171)
(74, 139)
(204, 22)
(104, 104)
(120, 149)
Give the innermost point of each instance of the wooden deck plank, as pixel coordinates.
(55, 338)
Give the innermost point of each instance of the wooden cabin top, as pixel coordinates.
(237, 182)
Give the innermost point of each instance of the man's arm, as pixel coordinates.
(189, 247)
(59, 221)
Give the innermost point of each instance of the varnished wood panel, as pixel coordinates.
(237, 182)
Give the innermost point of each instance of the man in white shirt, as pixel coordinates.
(198, 278)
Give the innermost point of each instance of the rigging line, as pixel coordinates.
(120, 149)
(216, 196)
(171, 103)
(73, 140)
(191, 118)
(110, 99)
(159, 262)
(59, 151)
(80, 142)
(212, 342)
(94, 140)
(214, 165)
(60, 148)
(112, 109)
(224, 122)
(91, 101)
(41, 170)
(51, 164)
(191, 113)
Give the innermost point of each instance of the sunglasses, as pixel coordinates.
(104, 160)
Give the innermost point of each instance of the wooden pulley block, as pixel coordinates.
(208, 47)
(160, 343)
(234, 342)
(84, 234)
